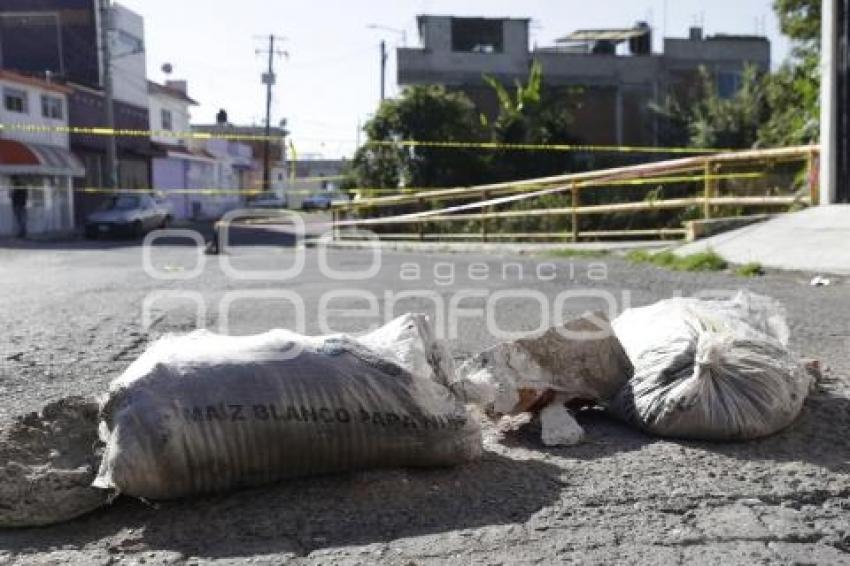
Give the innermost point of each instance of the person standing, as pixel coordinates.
(19, 209)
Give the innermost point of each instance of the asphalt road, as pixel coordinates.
(73, 318)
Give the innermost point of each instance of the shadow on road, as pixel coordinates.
(818, 436)
(240, 235)
(300, 516)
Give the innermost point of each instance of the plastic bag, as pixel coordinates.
(717, 370)
(581, 362)
(205, 412)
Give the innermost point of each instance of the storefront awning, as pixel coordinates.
(24, 158)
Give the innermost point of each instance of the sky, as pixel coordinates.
(329, 80)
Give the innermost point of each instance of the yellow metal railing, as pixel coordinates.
(478, 203)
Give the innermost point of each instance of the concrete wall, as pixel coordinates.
(129, 73)
(436, 55)
(436, 34)
(69, 50)
(447, 67)
(678, 52)
(185, 174)
(576, 69)
(168, 174)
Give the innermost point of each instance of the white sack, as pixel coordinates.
(579, 363)
(717, 369)
(205, 412)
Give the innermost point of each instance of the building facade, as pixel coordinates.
(183, 172)
(615, 70)
(61, 39)
(252, 138)
(35, 160)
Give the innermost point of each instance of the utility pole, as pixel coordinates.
(111, 180)
(383, 52)
(835, 102)
(269, 79)
(383, 67)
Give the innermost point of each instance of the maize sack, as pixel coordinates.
(204, 412)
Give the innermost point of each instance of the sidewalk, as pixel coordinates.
(816, 239)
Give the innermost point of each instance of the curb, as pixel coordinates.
(486, 248)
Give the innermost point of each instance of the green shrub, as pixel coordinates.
(702, 261)
(573, 252)
(752, 269)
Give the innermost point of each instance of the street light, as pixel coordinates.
(383, 51)
(401, 32)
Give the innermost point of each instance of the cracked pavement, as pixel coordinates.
(72, 322)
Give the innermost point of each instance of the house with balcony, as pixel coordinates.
(60, 39)
(613, 75)
(35, 156)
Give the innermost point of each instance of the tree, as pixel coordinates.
(793, 92)
(422, 113)
(800, 20)
(533, 115)
(712, 121)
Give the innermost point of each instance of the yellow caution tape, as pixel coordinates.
(124, 132)
(120, 132)
(544, 147)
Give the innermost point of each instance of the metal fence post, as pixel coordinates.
(813, 174)
(574, 190)
(484, 210)
(708, 189)
(420, 225)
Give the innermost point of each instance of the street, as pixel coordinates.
(75, 314)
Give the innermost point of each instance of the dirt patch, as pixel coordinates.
(47, 463)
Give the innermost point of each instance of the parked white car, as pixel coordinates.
(323, 200)
(270, 202)
(132, 215)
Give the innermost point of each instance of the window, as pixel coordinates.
(51, 107)
(728, 84)
(166, 119)
(477, 35)
(15, 100)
